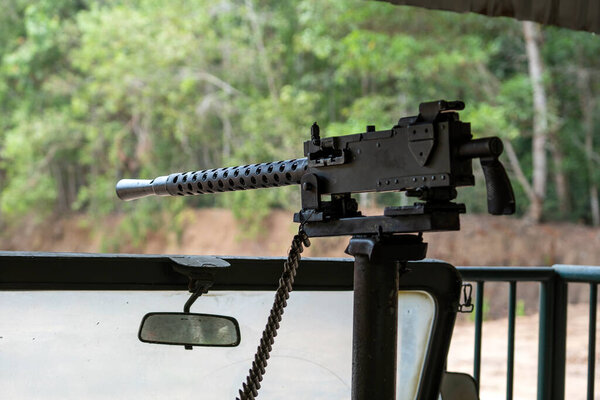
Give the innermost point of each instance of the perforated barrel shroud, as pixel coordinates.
(253, 176)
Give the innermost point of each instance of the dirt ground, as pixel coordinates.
(483, 240)
(494, 352)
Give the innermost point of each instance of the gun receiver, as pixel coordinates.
(427, 155)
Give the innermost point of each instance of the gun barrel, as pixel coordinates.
(252, 176)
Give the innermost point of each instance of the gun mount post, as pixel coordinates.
(378, 263)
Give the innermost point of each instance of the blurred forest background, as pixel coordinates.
(95, 91)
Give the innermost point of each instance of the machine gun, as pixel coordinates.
(427, 156)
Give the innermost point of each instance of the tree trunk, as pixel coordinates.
(560, 179)
(531, 32)
(262, 52)
(595, 204)
(227, 135)
(2, 187)
(61, 199)
(588, 105)
(518, 171)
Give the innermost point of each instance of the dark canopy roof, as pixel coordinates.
(583, 15)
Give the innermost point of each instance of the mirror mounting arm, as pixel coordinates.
(200, 272)
(198, 288)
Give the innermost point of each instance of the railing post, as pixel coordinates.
(592, 341)
(552, 339)
(478, 330)
(510, 356)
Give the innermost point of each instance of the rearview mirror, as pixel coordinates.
(190, 329)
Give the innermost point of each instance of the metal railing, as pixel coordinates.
(553, 303)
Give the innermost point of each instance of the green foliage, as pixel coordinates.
(520, 308)
(91, 92)
(485, 311)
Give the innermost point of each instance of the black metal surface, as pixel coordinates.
(198, 288)
(88, 271)
(375, 329)
(426, 222)
(375, 326)
(417, 152)
(80, 271)
(500, 196)
(505, 274)
(486, 147)
(378, 262)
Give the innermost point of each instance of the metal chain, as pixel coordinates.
(255, 375)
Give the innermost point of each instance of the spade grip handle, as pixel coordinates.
(500, 195)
